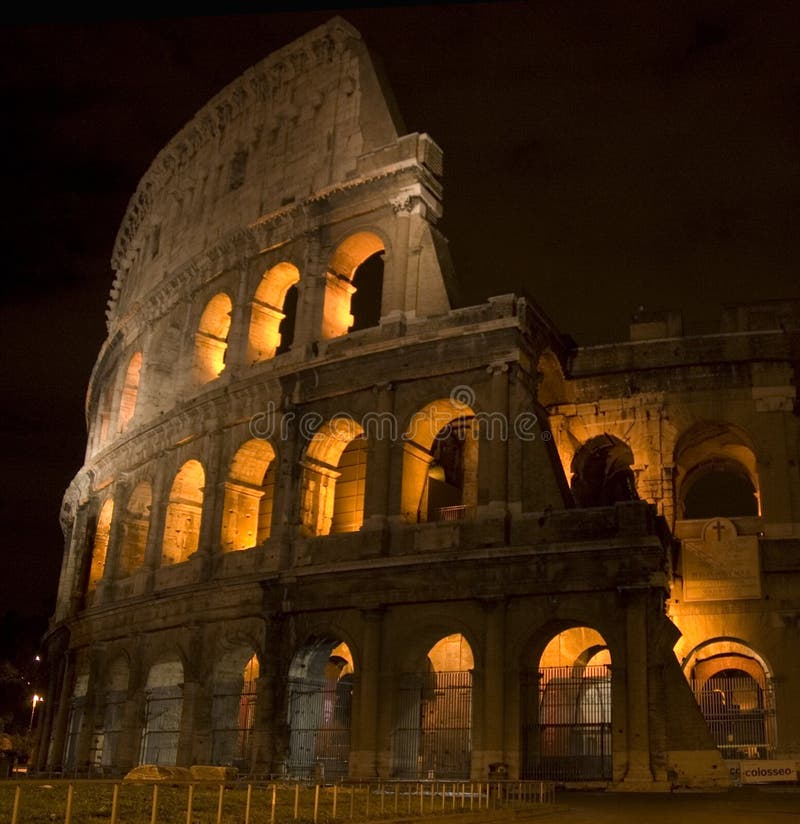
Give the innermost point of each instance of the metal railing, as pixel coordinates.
(251, 802)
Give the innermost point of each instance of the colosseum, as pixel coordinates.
(332, 523)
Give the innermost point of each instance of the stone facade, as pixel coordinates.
(317, 538)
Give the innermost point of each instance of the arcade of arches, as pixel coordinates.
(333, 523)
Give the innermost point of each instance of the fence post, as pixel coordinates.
(335, 788)
(15, 810)
(247, 804)
(189, 804)
(115, 804)
(154, 808)
(352, 800)
(380, 791)
(396, 793)
(316, 803)
(296, 801)
(272, 811)
(219, 803)
(68, 810)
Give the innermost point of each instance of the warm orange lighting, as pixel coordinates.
(211, 340)
(451, 654)
(100, 548)
(182, 524)
(349, 255)
(247, 512)
(267, 311)
(130, 391)
(323, 472)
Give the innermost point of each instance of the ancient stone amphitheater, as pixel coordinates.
(333, 524)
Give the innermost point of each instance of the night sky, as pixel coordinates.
(602, 156)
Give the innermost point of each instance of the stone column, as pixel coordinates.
(208, 548)
(381, 429)
(78, 551)
(55, 757)
(636, 672)
(262, 736)
(162, 482)
(494, 686)
(105, 587)
(394, 301)
(495, 433)
(363, 758)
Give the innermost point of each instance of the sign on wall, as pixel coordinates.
(722, 566)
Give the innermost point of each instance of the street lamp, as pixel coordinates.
(36, 700)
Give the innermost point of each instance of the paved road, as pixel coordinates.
(738, 806)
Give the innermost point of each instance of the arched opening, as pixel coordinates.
(440, 463)
(566, 709)
(211, 339)
(733, 688)
(233, 708)
(184, 512)
(715, 472)
(719, 489)
(249, 495)
(270, 334)
(163, 709)
(113, 699)
(365, 305)
(602, 473)
(130, 391)
(286, 328)
(433, 730)
(319, 710)
(103, 420)
(99, 549)
(135, 528)
(75, 717)
(337, 318)
(334, 478)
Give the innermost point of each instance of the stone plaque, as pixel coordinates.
(722, 566)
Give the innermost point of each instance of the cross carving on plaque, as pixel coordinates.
(719, 529)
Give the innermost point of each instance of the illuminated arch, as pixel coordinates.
(211, 339)
(249, 494)
(566, 708)
(337, 319)
(433, 726)
(733, 686)
(233, 706)
(269, 311)
(99, 549)
(440, 462)
(716, 472)
(319, 708)
(135, 529)
(163, 712)
(184, 512)
(334, 478)
(130, 391)
(115, 694)
(602, 473)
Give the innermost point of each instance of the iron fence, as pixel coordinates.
(740, 714)
(567, 737)
(267, 802)
(433, 735)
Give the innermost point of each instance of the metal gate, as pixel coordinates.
(740, 714)
(74, 724)
(567, 732)
(319, 728)
(163, 710)
(107, 740)
(233, 714)
(433, 735)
